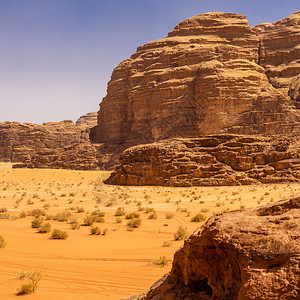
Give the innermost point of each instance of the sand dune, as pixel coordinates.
(118, 264)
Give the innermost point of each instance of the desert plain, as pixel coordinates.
(121, 261)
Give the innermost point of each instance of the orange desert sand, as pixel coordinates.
(112, 266)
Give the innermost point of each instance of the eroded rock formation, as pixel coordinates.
(50, 145)
(211, 74)
(239, 255)
(88, 120)
(224, 159)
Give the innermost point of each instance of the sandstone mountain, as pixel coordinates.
(211, 74)
(243, 255)
(50, 145)
(223, 159)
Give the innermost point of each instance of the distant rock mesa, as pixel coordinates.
(50, 145)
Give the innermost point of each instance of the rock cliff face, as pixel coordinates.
(224, 159)
(211, 74)
(280, 54)
(242, 255)
(51, 145)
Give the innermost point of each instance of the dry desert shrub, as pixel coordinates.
(75, 225)
(120, 212)
(58, 234)
(198, 218)
(91, 219)
(30, 286)
(153, 216)
(169, 216)
(162, 261)
(36, 213)
(44, 228)
(2, 242)
(3, 209)
(80, 209)
(98, 213)
(95, 230)
(37, 222)
(133, 215)
(167, 244)
(118, 220)
(134, 223)
(62, 216)
(181, 233)
(4, 216)
(22, 214)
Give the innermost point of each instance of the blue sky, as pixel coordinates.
(56, 56)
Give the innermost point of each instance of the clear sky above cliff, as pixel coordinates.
(56, 56)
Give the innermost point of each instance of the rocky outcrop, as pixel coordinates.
(242, 255)
(224, 159)
(88, 120)
(211, 74)
(50, 145)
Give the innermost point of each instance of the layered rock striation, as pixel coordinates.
(242, 255)
(211, 74)
(50, 145)
(280, 54)
(224, 159)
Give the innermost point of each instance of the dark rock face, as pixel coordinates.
(211, 160)
(242, 255)
(211, 74)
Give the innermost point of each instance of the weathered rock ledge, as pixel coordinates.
(223, 159)
(239, 255)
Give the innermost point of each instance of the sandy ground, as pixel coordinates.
(112, 266)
